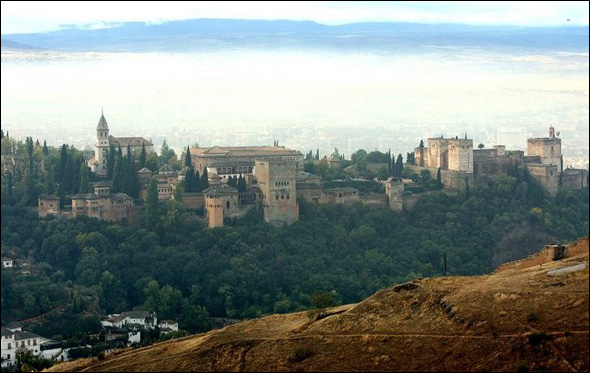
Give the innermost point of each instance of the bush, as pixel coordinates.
(301, 353)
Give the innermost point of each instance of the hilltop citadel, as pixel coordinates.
(275, 181)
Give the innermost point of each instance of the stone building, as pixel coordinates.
(221, 201)
(544, 160)
(276, 180)
(48, 205)
(98, 163)
(237, 160)
(548, 148)
(453, 156)
(574, 178)
(103, 205)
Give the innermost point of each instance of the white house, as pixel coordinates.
(7, 263)
(114, 321)
(134, 337)
(145, 319)
(13, 339)
(167, 326)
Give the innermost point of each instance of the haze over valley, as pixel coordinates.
(231, 82)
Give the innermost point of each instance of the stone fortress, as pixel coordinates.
(461, 165)
(275, 180)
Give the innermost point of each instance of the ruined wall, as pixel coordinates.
(395, 194)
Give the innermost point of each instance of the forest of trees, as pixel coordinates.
(248, 268)
(180, 269)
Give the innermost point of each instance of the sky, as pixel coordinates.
(34, 16)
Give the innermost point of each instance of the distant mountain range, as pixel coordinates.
(222, 34)
(13, 45)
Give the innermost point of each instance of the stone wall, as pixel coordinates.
(547, 175)
(574, 178)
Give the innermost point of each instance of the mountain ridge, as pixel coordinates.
(209, 33)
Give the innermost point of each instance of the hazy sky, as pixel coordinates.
(33, 16)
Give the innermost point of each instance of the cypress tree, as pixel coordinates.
(439, 178)
(197, 182)
(68, 175)
(399, 166)
(61, 166)
(84, 180)
(9, 187)
(45, 149)
(111, 160)
(242, 184)
(187, 158)
(189, 180)
(152, 204)
(142, 156)
(118, 175)
(317, 155)
(204, 184)
(78, 162)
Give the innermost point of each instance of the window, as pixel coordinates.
(227, 204)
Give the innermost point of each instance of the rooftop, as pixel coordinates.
(243, 151)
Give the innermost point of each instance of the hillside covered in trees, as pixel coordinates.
(86, 268)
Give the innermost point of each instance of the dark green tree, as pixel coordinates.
(421, 144)
(84, 179)
(399, 166)
(187, 158)
(152, 205)
(439, 178)
(111, 161)
(45, 149)
(189, 180)
(142, 156)
(204, 184)
(242, 184)
(317, 155)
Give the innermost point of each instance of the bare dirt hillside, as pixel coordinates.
(517, 319)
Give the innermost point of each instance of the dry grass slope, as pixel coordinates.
(517, 319)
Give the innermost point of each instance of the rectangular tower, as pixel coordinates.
(276, 179)
(461, 155)
(548, 148)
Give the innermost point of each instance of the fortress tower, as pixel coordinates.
(276, 179)
(548, 148)
(460, 155)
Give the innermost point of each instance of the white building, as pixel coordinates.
(7, 263)
(167, 326)
(14, 338)
(98, 163)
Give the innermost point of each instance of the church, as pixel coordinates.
(98, 163)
